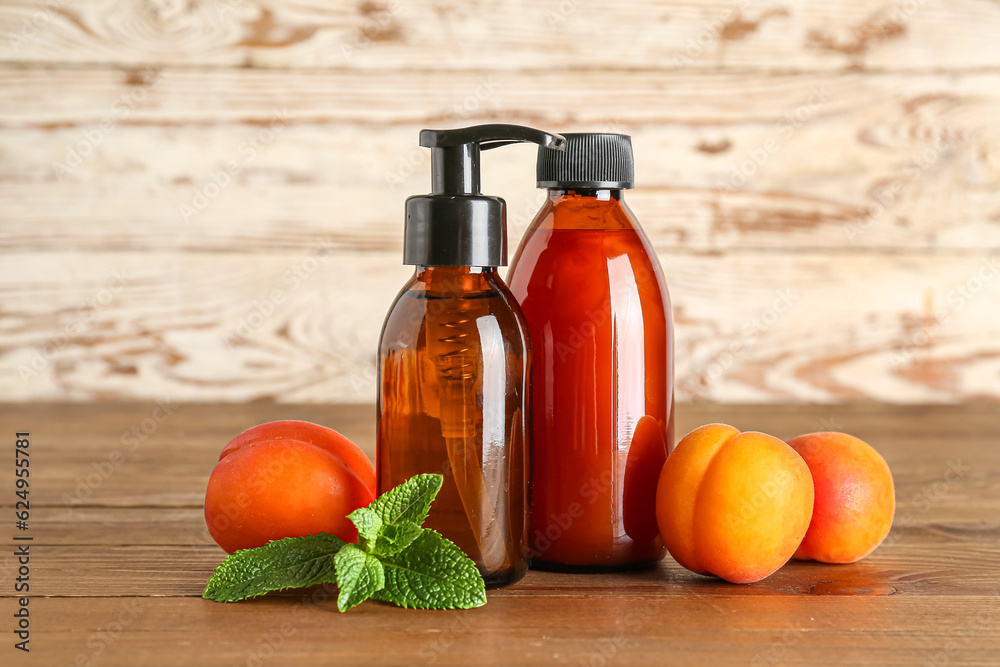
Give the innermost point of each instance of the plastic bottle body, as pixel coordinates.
(453, 373)
(598, 312)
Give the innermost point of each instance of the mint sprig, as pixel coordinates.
(359, 576)
(431, 570)
(410, 501)
(395, 559)
(294, 562)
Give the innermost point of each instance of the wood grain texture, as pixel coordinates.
(304, 327)
(160, 455)
(696, 630)
(849, 161)
(844, 150)
(118, 576)
(511, 35)
(927, 570)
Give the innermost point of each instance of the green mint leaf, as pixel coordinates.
(395, 559)
(359, 575)
(409, 501)
(292, 562)
(432, 573)
(395, 537)
(368, 523)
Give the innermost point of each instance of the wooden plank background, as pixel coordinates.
(121, 554)
(203, 200)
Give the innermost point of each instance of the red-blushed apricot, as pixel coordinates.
(314, 434)
(855, 497)
(733, 504)
(271, 489)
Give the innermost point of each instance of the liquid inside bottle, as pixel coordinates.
(453, 373)
(597, 308)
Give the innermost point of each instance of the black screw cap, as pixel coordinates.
(591, 160)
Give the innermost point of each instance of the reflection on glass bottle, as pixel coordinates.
(597, 308)
(453, 378)
(454, 359)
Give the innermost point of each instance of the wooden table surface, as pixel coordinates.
(120, 556)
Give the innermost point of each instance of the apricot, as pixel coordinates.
(855, 497)
(268, 484)
(313, 434)
(733, 504)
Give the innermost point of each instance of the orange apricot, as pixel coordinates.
(733, 504)
(855, 497)
(270, 489)
(314, 434)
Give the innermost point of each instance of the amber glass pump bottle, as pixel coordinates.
(597, 308)
(455, 359)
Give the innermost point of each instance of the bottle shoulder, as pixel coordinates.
(585, 213)
(418, 315)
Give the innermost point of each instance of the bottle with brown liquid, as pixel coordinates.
(597, 308)
(454, 366)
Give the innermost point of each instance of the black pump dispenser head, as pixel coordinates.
(456, 225)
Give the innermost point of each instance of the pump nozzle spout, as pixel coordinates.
(457, 225)
(455, 158)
